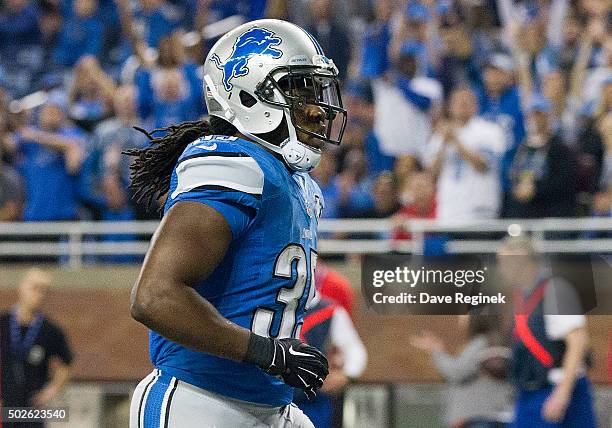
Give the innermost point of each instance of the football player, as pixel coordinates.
(230, 269)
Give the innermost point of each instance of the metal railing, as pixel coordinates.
(75, 240)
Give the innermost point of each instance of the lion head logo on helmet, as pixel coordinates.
(256, 41)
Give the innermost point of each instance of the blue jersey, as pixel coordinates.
(265, 279)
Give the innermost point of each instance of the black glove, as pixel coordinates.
(299, 365)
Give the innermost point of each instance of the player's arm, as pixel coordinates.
(189, 244)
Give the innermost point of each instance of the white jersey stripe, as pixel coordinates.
(238, 173)
(166, 402)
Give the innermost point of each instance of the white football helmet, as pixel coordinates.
(257, 75)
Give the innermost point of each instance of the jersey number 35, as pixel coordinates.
(290, 297)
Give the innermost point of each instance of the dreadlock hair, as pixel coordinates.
(152, 168)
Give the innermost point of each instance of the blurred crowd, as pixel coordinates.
(459, 110)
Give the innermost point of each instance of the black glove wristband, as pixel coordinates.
(260, 351)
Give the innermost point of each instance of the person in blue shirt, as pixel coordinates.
(325, 176)
(498, 97)
(415, 28)
(411, 54)
(164, 96)
(90, 93)
(375, 42)
(217, 10)
(19, 24)
(361, 104)
(499, 101)
(332, 36)
(81, 34)
(170, 91)
(49, 159)
(229, 273)
(21, 51)
(355, 186)
(159, 19)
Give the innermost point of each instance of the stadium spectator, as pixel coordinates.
(481, 24)
(117, 134)
(415, 30)
(50, 24)
(457, 57)
(374, 60)
(543, 173)
(354, 139)
(535, 76)
(550, 342)
(81, 34)
(417, 197)
(542, 56)
(333, 37)
(590, 155)
(90, 94)
(49, 157)
(601, 69)
(418, 201)
(144, 31)
(170, 102)
(354, 186)
(21, 55)
(105, 172)
(499, 102)
(211, 11)
(360, 102)
(554, 87)
(605, 127)
(405, 104)
(476, 397)
(403, 169)
(570, 41)
(19, 26)
(156, 19)
(332, 285)
(35, 358)
(602, 201)
(11, 194)
(325, 176)
(6, 126)
(384, 196)
(464, 156)
(170, 89)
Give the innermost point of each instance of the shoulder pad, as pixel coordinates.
(218, 162)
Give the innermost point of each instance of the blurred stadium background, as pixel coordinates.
(77, 75)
